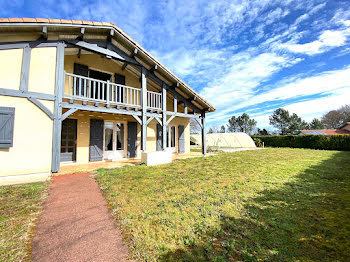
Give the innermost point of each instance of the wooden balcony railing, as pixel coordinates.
(89, 89)
(154, 100)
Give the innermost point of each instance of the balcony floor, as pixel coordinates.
(93, 166)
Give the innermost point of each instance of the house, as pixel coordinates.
(75, 92)
(342, 130)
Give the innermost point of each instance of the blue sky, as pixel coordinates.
(242, 56)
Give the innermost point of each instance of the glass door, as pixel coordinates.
(114, 140)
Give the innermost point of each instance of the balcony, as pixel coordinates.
(105, 92)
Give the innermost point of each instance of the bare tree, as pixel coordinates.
(195, 127)
(335, 118)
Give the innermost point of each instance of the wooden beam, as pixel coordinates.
(149, 120)
(41, 106)
(82, 32)
(44, 33)
(96, 49)
(144, 108)
(137, 119)
(134, 53)
(164, 125)
(169, 120)
(158, 120)
(25, 68)
(154, 68)
(204, 134)
(68, 113)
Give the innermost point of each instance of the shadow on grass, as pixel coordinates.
(306, 219)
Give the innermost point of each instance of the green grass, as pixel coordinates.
(20, 206)
(265, 205)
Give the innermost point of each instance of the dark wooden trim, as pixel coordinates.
(25, 94)
(57, 123)
(68, 113)
(25, 68)
(42, 107)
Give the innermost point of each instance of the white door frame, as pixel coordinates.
(115, 154)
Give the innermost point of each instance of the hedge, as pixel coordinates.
(335, 142)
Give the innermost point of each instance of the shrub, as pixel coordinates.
(258, 142)
(335, 142)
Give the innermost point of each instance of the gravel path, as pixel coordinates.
(76, 224)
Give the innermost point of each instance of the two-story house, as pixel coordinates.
(74, 92)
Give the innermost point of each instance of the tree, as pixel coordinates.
(280, 120)
(316, 124)
(286, 123)
(222, 129)
(242, 123)
(262, 132)
(335, 118)
(194, 126)
(210, 130)
(232, 125)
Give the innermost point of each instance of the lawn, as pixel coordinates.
(266, 205)
(20, 206)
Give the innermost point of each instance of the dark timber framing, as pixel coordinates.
(25, 68)
(164, 125)
(57, 121)
(144, 109)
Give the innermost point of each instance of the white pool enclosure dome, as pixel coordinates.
(225, 140)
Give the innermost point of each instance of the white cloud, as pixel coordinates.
(327, 40)
(310, 109)
(334, 84)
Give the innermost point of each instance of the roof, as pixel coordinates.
(64, 22)
(344, 125)
(325, 132)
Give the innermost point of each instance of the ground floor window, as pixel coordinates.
(109, 130)
(120, 136)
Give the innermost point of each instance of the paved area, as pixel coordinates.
(92, 166)
(76, 224)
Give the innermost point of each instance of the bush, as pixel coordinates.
(258, 142)
(336, 142)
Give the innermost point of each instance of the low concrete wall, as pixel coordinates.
(24, 179)
(156, 158)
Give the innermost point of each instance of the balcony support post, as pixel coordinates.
(164, 125)
(204, 138)
(144, 109)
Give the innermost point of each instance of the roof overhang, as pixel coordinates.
(96, 31)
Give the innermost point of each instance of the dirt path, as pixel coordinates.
(76, 224)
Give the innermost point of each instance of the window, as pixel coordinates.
(120, 136)
(7, 117)
(172, 143)
(108, 136)
(167, 137)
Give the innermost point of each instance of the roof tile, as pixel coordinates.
(87, 23)
(15, 20)
(106, 24)
(4, 20)
(77, 22)
(42, 20)
(97, 23)
(29, 20)
(64, 21)
(54, 21)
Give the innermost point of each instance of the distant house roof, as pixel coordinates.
(344, 125)
(327, 132)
